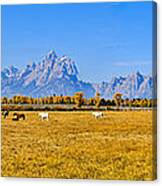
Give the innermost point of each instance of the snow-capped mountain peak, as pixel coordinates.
(51, 75)
(59, 75)
(51, 55)
(134, 85)
(10, 71)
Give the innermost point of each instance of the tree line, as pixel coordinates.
(79, 100)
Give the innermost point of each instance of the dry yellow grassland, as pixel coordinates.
(76, 145)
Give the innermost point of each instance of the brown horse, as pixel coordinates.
(17, 117)
(5, 113)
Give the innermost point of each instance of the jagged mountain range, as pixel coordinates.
(60, 75)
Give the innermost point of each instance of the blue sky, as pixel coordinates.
(104, 39)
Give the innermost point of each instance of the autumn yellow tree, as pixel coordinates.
(91, 101)
(4, 100)
(67, 99)
(97, 99)
(78, 98)
(117, 98)
(130, 104)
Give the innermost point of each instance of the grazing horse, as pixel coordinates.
(97, 114)
(17, 117)
(5, 114)
(43, 115)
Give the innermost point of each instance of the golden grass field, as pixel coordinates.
(76, 145)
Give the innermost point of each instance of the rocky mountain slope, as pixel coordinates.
(59, 75)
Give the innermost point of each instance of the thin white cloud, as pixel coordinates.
(134, 63)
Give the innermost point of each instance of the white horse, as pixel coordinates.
(97, 114)
(43, 115)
